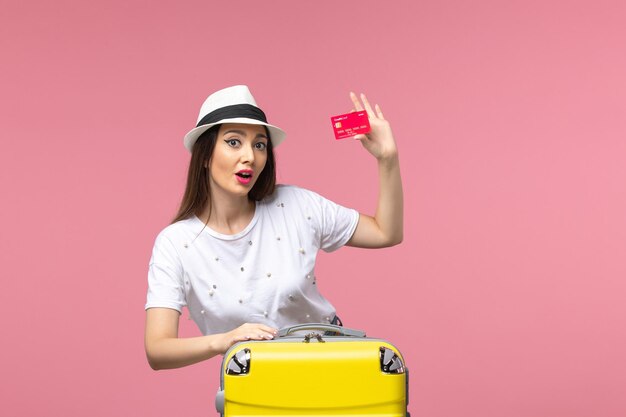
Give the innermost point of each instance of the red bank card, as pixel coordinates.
(350, 124)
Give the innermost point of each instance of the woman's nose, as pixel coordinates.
(247, 154)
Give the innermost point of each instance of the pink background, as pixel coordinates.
(507, 296)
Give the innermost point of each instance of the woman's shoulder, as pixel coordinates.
(180, 230)
(284, 191)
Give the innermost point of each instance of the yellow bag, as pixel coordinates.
(313, 375)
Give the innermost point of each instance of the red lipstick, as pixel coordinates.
(244, 176)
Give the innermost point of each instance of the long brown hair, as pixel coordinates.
(198, 189)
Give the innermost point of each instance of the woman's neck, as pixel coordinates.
(228, 215)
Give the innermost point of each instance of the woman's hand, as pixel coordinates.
(379, 141)
(248, 331)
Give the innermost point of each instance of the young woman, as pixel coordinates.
(240, 253)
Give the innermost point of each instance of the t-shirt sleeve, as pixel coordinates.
(336, 224)
(165, 277)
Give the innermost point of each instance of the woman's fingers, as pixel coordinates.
(255, 331)
(379, 112)
(355, 100)
(266, 332)
(368, 108)
(371, 113)
(259, 336)
(269, 329)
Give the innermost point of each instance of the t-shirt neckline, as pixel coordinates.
(236, 236)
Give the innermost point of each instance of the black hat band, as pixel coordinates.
(232, 112)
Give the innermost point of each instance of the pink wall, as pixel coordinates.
(507, 296)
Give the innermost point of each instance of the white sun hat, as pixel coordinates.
(231, 105)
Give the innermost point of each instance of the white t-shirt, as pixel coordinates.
(264, 274)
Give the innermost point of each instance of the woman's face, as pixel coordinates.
(238, 158)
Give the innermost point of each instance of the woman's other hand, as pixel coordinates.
(248, 331)
(379, 141)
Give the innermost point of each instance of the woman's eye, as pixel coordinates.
(261, 146)
(232, 142)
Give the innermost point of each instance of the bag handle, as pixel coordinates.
(343, 331)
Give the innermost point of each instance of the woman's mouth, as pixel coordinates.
(244, 176)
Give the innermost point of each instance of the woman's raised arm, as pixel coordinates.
(385, 228)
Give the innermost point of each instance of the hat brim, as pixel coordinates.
(277, 135)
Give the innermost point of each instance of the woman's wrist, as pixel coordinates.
(215, 344)
(390, 159)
